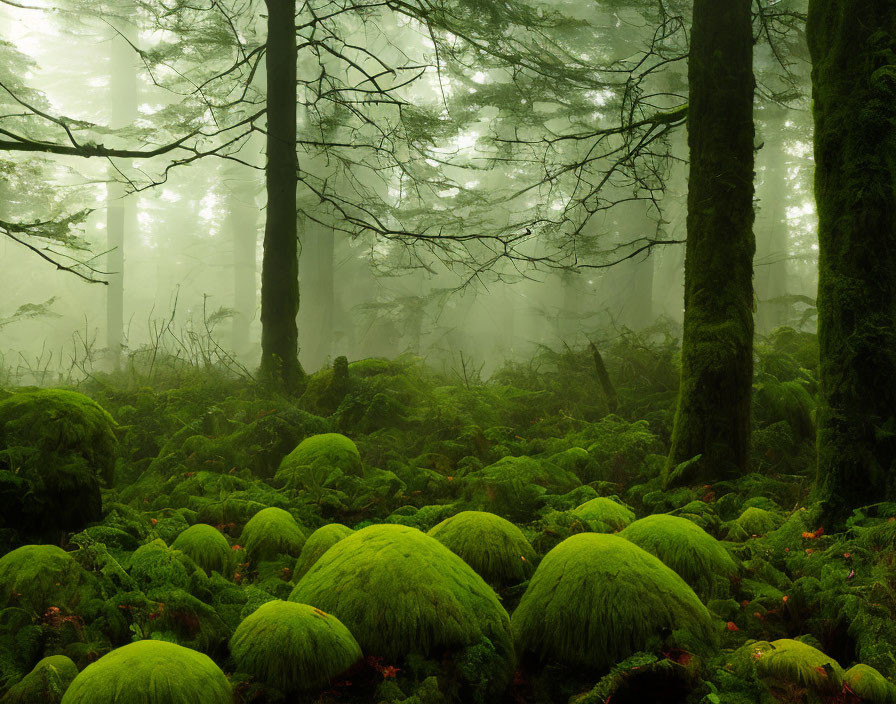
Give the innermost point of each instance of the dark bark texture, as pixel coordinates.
(853, 47)
(713, 414)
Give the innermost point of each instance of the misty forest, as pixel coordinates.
(447, 351)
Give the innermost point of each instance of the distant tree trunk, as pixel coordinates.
(242, 221)
(852, 43)
(713, 414)
(280, 265)
(120, 210)
(316, 271)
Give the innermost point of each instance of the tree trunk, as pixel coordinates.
(713, 414)
(280, 266)
(852, 43)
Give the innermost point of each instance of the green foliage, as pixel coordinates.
(596, 599)
(293, 647)
(757, 521)
(435, 602)
(272, 532)
(870, 685)
(604, 515)
(334, 450)
(36, 577)
(157, 565)
(45, 684)
(491, 545)
(701, 560)
(794, 662)
(150, 672)
(206, 547)
(317, 544)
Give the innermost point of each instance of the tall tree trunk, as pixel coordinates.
(713, 414)
(280, 265)
(120, 210)
(852, 43)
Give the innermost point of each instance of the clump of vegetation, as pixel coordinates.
(595, 599)
(330, 452)
(36, 577)
(272, 532)
(869, 685)
(604, 515)
(206, 546)
(45, 684)
(317, 544)
(796, 663)
(701, 560)
(491, 545)
(150, 672)
(293, 647)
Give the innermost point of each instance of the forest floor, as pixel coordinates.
(768, 606)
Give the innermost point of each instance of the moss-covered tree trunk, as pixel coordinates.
(713, 414)
(280, 265)
(853, 47)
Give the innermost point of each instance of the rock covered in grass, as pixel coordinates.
(694, 554)
(793, 662)
(333, 450)
(757, 521)
(150, 672)
(205, 546)
(272, 532)
(45, 684)
(293, 647)
(317, 544)
(491, 545)
(36, 577)
(869, 685)
(603, 515)
(595, 599)
(400, 591)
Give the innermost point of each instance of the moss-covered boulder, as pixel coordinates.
(603, 515)
(155, 565)
(58, 445)
(270, 533)
(150, 672)
(757, 521)
(293, 647)
(205, 546)
(869, 685)
(36, 577)
(45, 684)
(317, 544)
(793, 662)
(595, 599)
(700, 559)
(400, 592)
(491, 545)
(333, 450)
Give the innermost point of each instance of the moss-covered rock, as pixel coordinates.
(595, 599)
(205, 546)
(603, 515)
(491, 545)
(334, 450)
(869, 685)
(45, 684)
(150, 672)
(401, 592)
(36, 577)
(757, 521)
(270, 533)
(317, 544)
(796, 663)
(156, 565)
(293, 647)
(700, 559)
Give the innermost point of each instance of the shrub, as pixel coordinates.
(270, 533)
(317, 544)
(293, 647)
(205, 546)
(595, 599)
(604, 515)
(491, 545)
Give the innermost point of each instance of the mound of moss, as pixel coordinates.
(400, 592)
(869, 685)
(694, 554)
(797, 663)
(57, 445)
(36, 577)
(156, 565)
(317, 544)
(491, 545)
(603, 515)
(45, 684)
(757, 521)
(596, 599)
(150, 672)
(293, 647)
(270, 533)
(333, 450)
(206, 546)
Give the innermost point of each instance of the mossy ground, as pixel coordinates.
(535, 446)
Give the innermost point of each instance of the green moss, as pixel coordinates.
(317, 544)
(157, 565)
(45, 684)
(36, 577)
(758, 521)
(869, 685)
(793, 662)
(603, 515)
(334, 450)
(272, 532)
(701, 560)
(595, 599)
(206, 547)
(491, 545)
(293, 647)
(401, 592)
(150, 672)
